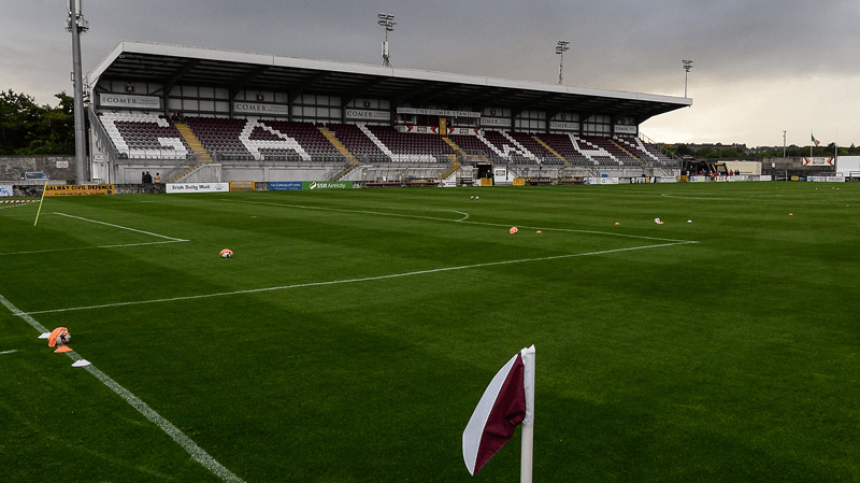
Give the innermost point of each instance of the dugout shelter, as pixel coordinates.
(197, 114)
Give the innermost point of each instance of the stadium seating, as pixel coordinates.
(240, 139)
(220, 136)
(151, 136)
(608, 148)
(563, 145)
(527, 141)
(474, 145)
(358, 143)
(144, 136)
(509, 148)
(648, 153)
(308, 136)
(412, 147)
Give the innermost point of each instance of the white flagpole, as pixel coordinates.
(528, 427)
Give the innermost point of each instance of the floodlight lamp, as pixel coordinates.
(688, 64)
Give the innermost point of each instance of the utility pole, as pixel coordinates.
(77, 24)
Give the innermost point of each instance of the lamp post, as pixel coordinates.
(688, 64)
(560, 49)
(77, 24)
(783, 144)
(386, 21)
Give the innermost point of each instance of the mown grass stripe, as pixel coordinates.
(353, 280)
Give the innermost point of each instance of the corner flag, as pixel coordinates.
(507, 403)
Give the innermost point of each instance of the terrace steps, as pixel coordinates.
(339, 145)
(194, 143)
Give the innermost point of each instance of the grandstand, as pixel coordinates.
(184, 111)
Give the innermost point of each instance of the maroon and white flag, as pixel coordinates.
(507, 403)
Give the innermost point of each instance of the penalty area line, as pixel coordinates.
(122, 227)
(53, 250)
(197, 453)
(357, 280)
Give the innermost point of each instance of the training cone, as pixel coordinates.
(82, 363)
(616, 223)
(791, 214)
(539, 232)
(63, 348)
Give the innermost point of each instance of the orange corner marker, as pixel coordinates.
(63, 348)
(52, 339)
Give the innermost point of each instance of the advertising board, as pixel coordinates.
(326, 185)
(198, 187)
(285, 185)
(78, 189)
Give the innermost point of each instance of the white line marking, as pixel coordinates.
(90, 248)
(122, 227)
(717, 199)
(353, 280)
(466, 215)
(197, 453)
(567, 230)
(8, 352)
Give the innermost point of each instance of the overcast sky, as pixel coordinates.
(761, 67)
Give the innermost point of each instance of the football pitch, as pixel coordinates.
(353, 332)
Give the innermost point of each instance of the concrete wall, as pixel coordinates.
(12, 168)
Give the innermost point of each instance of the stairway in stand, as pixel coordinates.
(553, 151)
(350, 158)
(193, 142)
(619, 146)
(455, 164)
(196, 147)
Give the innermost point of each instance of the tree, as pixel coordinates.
(683, 150)
(27, 128)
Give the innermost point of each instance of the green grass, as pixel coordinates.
(731, 359)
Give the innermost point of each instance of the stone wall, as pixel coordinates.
(58, 168)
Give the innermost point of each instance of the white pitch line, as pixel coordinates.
(197, 453)
(352, 280)
(8, 352)
(122, 227)
(434, 218)
(717, 199)
(91, 248)
(461, 219)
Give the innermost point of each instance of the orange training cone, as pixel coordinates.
(59, 335)
(63, 348)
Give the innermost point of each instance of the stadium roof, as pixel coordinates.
(171, 65)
